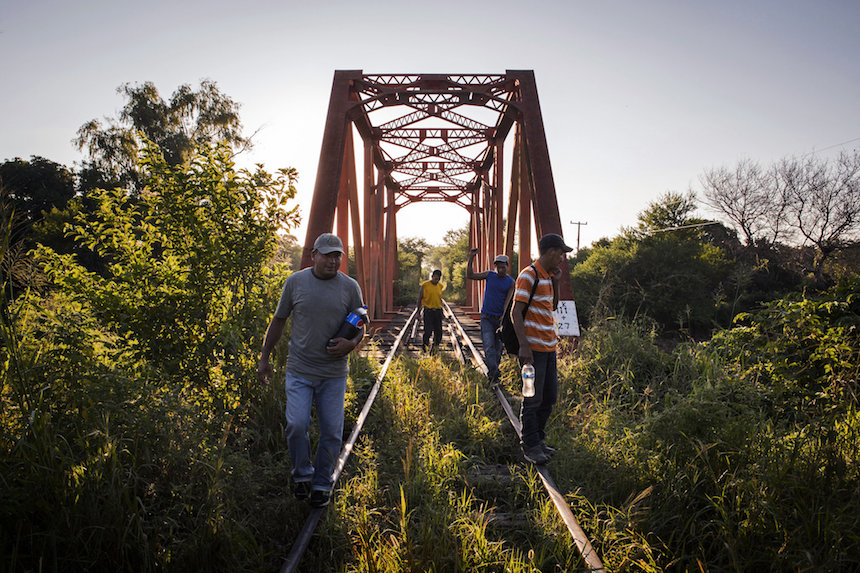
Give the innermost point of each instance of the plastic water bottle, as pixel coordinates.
(528, 380)
(351, 324)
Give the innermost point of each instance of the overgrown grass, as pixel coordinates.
(743, 452)
(739, 454)
(419, 496)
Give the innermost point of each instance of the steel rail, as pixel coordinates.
(414, 335)
(456, 344)
(304, 537)
(460, 340)
(587, 551)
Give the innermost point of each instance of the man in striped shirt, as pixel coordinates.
(537, 337)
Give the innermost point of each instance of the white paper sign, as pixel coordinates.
(565, 318)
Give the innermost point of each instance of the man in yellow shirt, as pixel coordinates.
(430, 298)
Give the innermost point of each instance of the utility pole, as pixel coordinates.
(579, 225)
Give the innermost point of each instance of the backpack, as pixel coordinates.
(506, 331)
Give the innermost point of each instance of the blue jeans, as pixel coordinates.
(328, 397)
(536, 410)
(492, 345)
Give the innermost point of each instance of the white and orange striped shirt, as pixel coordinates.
(539, 321)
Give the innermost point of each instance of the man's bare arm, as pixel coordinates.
(470, 273)
(555, 277)
(510, 294)
(273, 335)
(525, 353)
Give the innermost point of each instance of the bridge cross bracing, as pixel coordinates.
(432, 138)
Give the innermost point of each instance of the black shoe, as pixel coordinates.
(535, 455)
(302, 489)
(319, 498)
(548, 450)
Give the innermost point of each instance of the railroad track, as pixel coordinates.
(401, 336)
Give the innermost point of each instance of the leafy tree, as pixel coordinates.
(411, 253)
(176, 126)
(670, 211)
(289, 251)
(31, 191)
(184, 260)
(450, 258)
(36, 186)
(674, 277)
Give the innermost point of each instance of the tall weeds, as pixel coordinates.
(739, 454)
(747, 445)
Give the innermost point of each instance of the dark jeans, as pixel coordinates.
(432, 324)
(536, 410)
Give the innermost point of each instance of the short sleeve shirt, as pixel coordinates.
(432, 294)
(539, 321)
(496, 293)
(318, 307)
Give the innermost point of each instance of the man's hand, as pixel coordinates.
(473, 252)
(339, 347)
(264, 371)
(525, 354)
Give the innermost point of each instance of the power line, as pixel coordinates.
(692, 226)
(814, 151)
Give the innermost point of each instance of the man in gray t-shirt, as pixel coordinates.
(318, 298)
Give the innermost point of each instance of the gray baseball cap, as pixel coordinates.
(328, 243)
(501, 259)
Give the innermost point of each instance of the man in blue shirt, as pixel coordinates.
(500, 287)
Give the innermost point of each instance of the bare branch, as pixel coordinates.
(748, 197)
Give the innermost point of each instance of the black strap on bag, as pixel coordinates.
(506, 331)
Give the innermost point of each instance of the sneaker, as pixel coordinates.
(301, 489)
(535, 454)
(319, 498)
(548, 450)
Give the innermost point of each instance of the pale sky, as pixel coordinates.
(638, 98)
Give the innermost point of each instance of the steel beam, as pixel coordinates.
(321, 216)
(343, 204)
(349, 169)
(451, 154)
(547, 217)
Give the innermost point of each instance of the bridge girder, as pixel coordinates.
(431, 138)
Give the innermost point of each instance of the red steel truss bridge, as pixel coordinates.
(429, 138)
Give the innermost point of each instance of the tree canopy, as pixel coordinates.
(801, 201)
(411, 252)
(189, 118)
(36, 186)
(450, 257)
(672, 276)
(182, 260)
